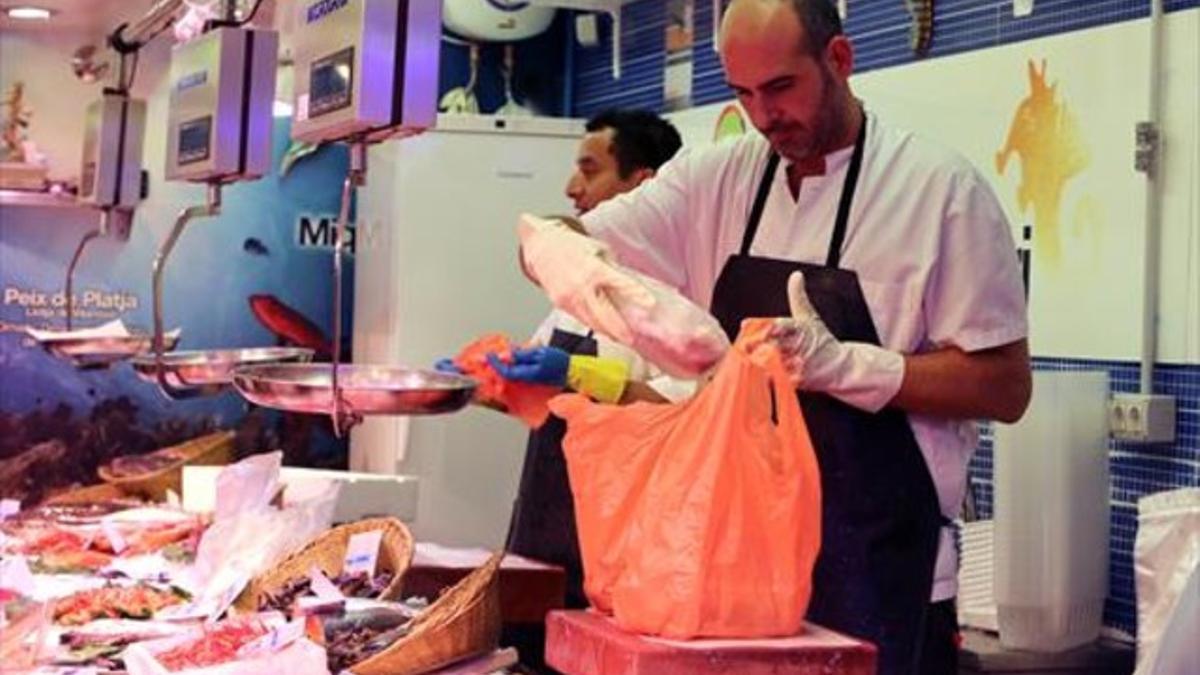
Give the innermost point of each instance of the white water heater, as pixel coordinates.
(496, 20)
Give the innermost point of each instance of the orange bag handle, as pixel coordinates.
(787, 416)
(767, 357)
(792, 418)
(753, 344)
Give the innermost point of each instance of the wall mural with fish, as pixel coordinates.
(1045, 139)
(257, 275)
(1050, 122)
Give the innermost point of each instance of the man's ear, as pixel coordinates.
(641, 175)
(840, 55)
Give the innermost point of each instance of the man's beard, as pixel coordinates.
(829, 127)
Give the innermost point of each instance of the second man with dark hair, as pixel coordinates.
(621, 149)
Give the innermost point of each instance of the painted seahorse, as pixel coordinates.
(1045, 136)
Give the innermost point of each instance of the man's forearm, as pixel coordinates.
(640, 391)
(989, 384)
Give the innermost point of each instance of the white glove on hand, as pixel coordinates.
(575, 272)
(859, 374)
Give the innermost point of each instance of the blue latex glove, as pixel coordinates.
(538, 365)
(447, 366)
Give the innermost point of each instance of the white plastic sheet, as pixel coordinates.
(248, 534)
(1165, 555)
(674, 334)
(580, 277)
(112, 329)
(1177, 653)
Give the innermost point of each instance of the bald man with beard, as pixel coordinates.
(893, 270)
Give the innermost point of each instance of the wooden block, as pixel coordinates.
(587, 643)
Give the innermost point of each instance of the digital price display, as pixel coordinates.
(195, 137)
(331, 83)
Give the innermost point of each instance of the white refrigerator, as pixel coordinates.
(435, 268)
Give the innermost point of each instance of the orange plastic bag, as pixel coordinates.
(702, 518)
(527, 402)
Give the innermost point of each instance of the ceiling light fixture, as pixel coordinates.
(28, 13)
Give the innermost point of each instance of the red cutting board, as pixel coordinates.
(588, 643)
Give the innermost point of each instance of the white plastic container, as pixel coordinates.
(1052, 515)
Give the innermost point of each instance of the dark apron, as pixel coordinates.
(880, 516)
(543, 520)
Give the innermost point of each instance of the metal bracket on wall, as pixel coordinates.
(610, 7)
(1147, 142)
(921, 34)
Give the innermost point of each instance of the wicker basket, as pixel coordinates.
(463, 623)
(89, 494)
(214, 448)
(328, 552)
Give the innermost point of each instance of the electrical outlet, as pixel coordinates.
(1142, 418)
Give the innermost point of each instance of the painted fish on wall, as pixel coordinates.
(1045, 136)
(289, 325)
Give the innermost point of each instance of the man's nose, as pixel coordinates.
(761, 115)
(772, 113)
(574, 186)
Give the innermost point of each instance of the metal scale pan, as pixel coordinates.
(219, 132)
(101, 351)
(212, 370)
(363, 390)
(350, 60)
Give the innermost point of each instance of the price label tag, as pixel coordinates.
(362, 553)
(227, 597)
(15, 576)
(276, 640)
(9, 508)
(113, 534)
(322, 587)
(186, 612)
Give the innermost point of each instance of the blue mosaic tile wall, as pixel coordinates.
(1136, 470)
(879, 28)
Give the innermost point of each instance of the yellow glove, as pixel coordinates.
(602, 379)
